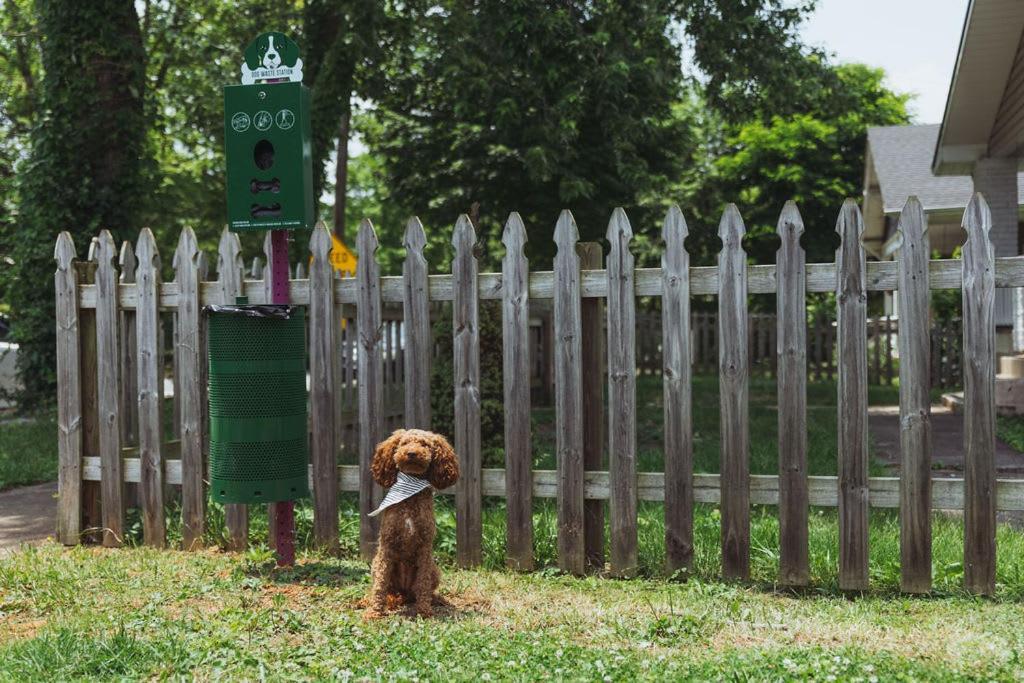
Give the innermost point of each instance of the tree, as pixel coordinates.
(19, 76)
(815, 158)
(342, 36)
(84, 170)
(532, 107)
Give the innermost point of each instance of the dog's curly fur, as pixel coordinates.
(404, 566)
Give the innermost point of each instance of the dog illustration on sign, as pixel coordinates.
(273, 58)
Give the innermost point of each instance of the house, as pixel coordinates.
(978, 147)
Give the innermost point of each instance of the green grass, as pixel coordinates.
(28, 450)
(90, 613)
(763, 414)
(1010, 428)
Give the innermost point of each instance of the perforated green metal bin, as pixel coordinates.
(258, 431)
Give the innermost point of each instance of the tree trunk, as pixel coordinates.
(341, 175)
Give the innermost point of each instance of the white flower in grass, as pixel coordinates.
(485, 676)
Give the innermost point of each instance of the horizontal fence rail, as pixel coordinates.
(883, 492)
(371, 351)
(761, 279)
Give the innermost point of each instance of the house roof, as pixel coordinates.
(988, 45)
(901, 157)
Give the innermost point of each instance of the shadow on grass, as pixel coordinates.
(316, 573)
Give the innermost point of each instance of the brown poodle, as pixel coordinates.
(404, 566)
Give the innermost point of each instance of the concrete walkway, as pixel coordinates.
(947, 443)
(27, 515)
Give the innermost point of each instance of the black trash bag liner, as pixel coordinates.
(279, 311)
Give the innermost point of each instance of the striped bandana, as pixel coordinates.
(406, 487)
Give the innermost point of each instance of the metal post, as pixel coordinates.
(282, 514)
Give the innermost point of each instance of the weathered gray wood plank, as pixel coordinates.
(733, 392)
(677, 391)
(915, 405)
(622, 506)
(851, 298)
(515, 320)
(416, 312)
(322, 345)
(69, 393)
(230, 276)
(979, 371)
(370, 385)
(761, 279)
(884, 492)
(150, 381)
(129, 375)
(791, 349)
(466, 345)
(593, 361)
(190, 375)
(568, 397)
(108, 358)
(92, 509)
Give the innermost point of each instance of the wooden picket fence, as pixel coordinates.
(946, 338)
(93, 303)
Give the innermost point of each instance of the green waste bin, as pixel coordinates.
(258, 430)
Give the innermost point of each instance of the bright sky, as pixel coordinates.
(915, 41)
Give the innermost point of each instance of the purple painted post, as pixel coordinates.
(282, 514)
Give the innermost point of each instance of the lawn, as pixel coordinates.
(136, 613)
(141, 614)
(763, 413)
(28, 450)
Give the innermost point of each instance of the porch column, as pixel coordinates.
(996, 179)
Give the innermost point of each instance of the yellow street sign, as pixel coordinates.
(342, 258)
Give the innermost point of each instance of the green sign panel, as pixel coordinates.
(267, 140)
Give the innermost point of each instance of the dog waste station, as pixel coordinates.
(257, 353)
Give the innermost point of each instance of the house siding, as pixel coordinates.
(1008, 128)
(996, 179)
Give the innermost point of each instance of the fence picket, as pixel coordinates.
(677, 378)
(622, 505)
(733, 393)
(851, 298)
(516, 373)
(416, 323)
(230, 279)
(371, 377)
(979, 370)
(92, 512)
(592, 357)
(568, 396)
(150, 367)
(108, 359)
(915, 405)
(129, 376)
(69, 393)
(323, 446)
(189, 355)
(794, 569)
(466, 331)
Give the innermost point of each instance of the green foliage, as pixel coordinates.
(78, 177)
(442, 399)
(534, 107)
(815, 157)
(19, 94)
